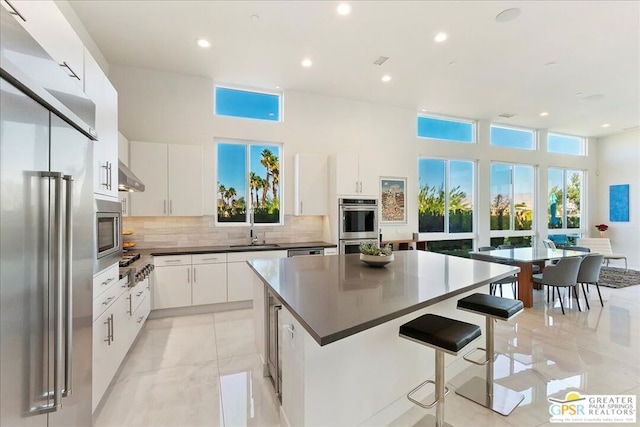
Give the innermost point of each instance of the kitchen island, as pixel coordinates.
(342, 360)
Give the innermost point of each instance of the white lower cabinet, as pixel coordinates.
(172, 286)
(185, 280)
(209, 284)
(239, 274)
(110, 344)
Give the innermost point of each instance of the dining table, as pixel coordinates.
(526, 258)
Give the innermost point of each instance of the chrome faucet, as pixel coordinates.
(252, 234)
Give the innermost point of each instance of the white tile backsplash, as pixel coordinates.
(167, 232)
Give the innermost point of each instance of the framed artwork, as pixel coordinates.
(619, 203)
(393, 201)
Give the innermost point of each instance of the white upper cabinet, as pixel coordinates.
(44, 21)
(355, 174)
(185, 180)
(311, 177)
(172, 175)
(105, 152)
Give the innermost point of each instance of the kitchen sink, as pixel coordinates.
(257, 246)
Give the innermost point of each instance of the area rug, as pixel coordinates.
(612, 277)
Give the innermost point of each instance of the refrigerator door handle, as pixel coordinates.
(68, 274)
(56, 251)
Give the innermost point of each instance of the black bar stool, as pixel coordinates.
(484, 391)
(444, 335)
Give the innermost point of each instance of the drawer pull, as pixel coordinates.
(172, 260)
(106, 282)
(107, 301)
(139, 293)
(140, 319)
(210, 259)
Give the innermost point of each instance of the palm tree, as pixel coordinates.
(275, 173)
(221, 190)
(254, 183)
(264, 183)
(230, 194)
(266, 161)
(499, 205)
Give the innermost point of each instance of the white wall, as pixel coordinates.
(618, 162)
(171, 108)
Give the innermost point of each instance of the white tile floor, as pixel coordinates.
(204, 370)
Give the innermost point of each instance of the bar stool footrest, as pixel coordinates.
(503, 400)
(425, 405)
(482, 363)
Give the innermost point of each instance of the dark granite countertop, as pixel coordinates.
(337, 296)
(146, 253)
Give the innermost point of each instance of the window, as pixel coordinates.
(246, 104)
(447, 129)
(513, 138)
(565, 196)
(459, 247)
(446, 186)
(512, 197)
(248, 176)
(565, 144)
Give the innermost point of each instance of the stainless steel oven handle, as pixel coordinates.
(68, 273)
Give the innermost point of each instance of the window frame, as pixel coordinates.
(534, 138)
(534, 197)
(446, 234)
(583, 144)
(277, 93)
(473, 123)
(248, 144)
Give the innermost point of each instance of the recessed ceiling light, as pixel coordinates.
(344, 9)
(203, 43)
(424, 110)
(440, 37)
(386, 78)
(544, 114)
(508, 15)
(606, 125)
(278, 87)
(307, 63)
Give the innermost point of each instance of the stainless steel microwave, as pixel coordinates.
(108, 234)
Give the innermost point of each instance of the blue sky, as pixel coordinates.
(431, 171)
(232, 165)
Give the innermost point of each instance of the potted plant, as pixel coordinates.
(372, 254)
(602, 228)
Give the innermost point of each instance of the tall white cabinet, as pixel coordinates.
(105, 152)
(311, 182)
(172, 174)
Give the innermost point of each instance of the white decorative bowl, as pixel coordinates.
(376, 260)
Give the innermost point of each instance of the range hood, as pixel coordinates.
(127, 181)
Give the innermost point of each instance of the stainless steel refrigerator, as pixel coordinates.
(46, 234)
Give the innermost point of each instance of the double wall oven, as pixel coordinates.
(358, 222)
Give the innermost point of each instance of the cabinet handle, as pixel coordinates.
(130, 311)
(124, 206)
(106, 282)
(112, 339)
(188, 275)
(110, 175)
(194, 275)
(109, 324)
(170, 207)
(139, 293)
(140, 319)
(106, 302)
(301, 208)
(105, 184)
(210, 259)
(173, 260)
(164, 209)
(14, 11)
(73, 74)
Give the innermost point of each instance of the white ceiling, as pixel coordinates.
(497, 67)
